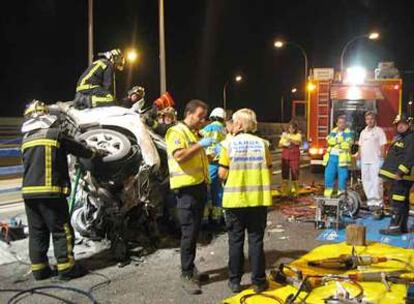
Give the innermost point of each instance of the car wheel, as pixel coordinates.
(114, 142)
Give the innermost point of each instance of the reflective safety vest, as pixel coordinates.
(217, 131)
(248, 182)
(45, 166)
(193, 171)
(341, 143)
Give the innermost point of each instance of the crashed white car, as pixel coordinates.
(128, 186)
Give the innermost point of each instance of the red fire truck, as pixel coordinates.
(329, 97)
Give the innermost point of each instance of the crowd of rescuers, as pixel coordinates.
(201, 157)
(219, 172)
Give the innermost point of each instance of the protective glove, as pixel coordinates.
(99, 153)
(217, 149)
(206, 142)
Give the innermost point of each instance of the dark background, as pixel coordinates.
(44, 46)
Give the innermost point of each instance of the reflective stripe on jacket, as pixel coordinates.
(217, 131)
(98, 74)
(400, 158)
(44, 153)
(341, 143)
(191, 172)
(248, 182)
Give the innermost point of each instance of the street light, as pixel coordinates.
(238, 78)
(132, 56)
(311, 87)
(279, 44)
(294, 90)
(370, 36)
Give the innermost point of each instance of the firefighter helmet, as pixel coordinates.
(401, 118)
(137, 90)
(35, 108)
(116, 57)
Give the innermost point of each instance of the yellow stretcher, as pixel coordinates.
(373, 292)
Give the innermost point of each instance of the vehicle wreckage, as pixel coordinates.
(120, 197)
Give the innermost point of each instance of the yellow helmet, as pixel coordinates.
(116, 57)
(35, 108)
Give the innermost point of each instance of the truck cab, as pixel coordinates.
(358, 92)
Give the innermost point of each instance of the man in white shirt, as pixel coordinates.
(372, 141)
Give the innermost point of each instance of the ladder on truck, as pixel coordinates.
(322, 121)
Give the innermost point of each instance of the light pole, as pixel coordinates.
(90, 31)
(279, 44)
(370, 36)
(163, 63)
(237, 78)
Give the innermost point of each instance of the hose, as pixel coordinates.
(15, 299)
(244, 298)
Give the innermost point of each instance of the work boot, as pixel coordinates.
(200, 277)
(285, 187)
(44, 274)
(190, 285)
(258, 288)
(76, 271)
(295, 188)
(377, 212)
(235, 287)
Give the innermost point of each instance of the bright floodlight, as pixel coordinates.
(373, 35)
(278, 44)
(311, 87)
(355, 75)
(238, 78)
(132, 55)
(294, 90)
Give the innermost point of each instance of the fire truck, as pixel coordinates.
(358, 92)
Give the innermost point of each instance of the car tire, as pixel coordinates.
(116, 143)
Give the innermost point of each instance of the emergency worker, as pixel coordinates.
(46, 185)
(337, 157)
(188, 166)
(290, 142)
(135, 99)
(370, 156)
(398, 169)
(216, 130)
(96, 86)
(245, 163)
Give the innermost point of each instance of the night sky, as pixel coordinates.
(44, 46)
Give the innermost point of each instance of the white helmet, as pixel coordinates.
(219, 113)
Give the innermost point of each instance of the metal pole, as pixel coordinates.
(225, 96)
(305, 57)
(90, 31)
(163, 76)
(344, 50)
(282, 101)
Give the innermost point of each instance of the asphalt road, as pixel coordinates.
(155, 279)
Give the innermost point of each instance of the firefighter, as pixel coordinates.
(290, 142)
(216, 130)
(96, 86)
(135, 99)
(166, 119)
(188, 166)
(397, 168)
(245, 163)
(337, 157)
(45, 187)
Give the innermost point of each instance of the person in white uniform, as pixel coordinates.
(372, 141)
